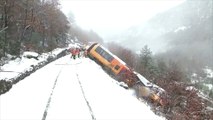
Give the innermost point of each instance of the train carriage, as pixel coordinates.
(116, 67)
(112, 64)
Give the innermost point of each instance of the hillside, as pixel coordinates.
(185, 30)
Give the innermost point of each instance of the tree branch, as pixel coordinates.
(3, 29)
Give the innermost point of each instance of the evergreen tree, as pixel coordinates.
(146, 56)
(148, 68)
(211, 93)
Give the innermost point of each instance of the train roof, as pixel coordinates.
(147, 82)
(143, 79)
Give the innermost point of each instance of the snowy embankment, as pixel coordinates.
(71, 89)
(29, 62)
(23, 64)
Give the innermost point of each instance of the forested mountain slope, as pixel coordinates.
(181, 32)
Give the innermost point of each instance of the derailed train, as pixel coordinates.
(116, 67)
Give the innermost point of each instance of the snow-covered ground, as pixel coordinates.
(209, 72)
(23, 64)
(71, 89)
(181, 28)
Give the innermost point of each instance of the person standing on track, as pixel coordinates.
(78, 52)
(73, 53)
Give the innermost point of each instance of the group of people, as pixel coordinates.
(77, 52)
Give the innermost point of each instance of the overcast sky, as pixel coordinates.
(105, 16)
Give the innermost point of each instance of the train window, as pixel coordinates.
(104, 54)
(117, 67)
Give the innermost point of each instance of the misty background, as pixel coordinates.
(183, 34)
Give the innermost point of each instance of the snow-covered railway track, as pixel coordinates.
(86, 100)
(55, 93)
(50, 97)
(69, 100)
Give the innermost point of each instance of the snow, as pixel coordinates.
(182, 28)
(210, 86)
(15, 67)
(76, 45)
(28, 53)
(209, 72)
(76, 89)
(194, 75)
(57, 51)
(190, 88)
